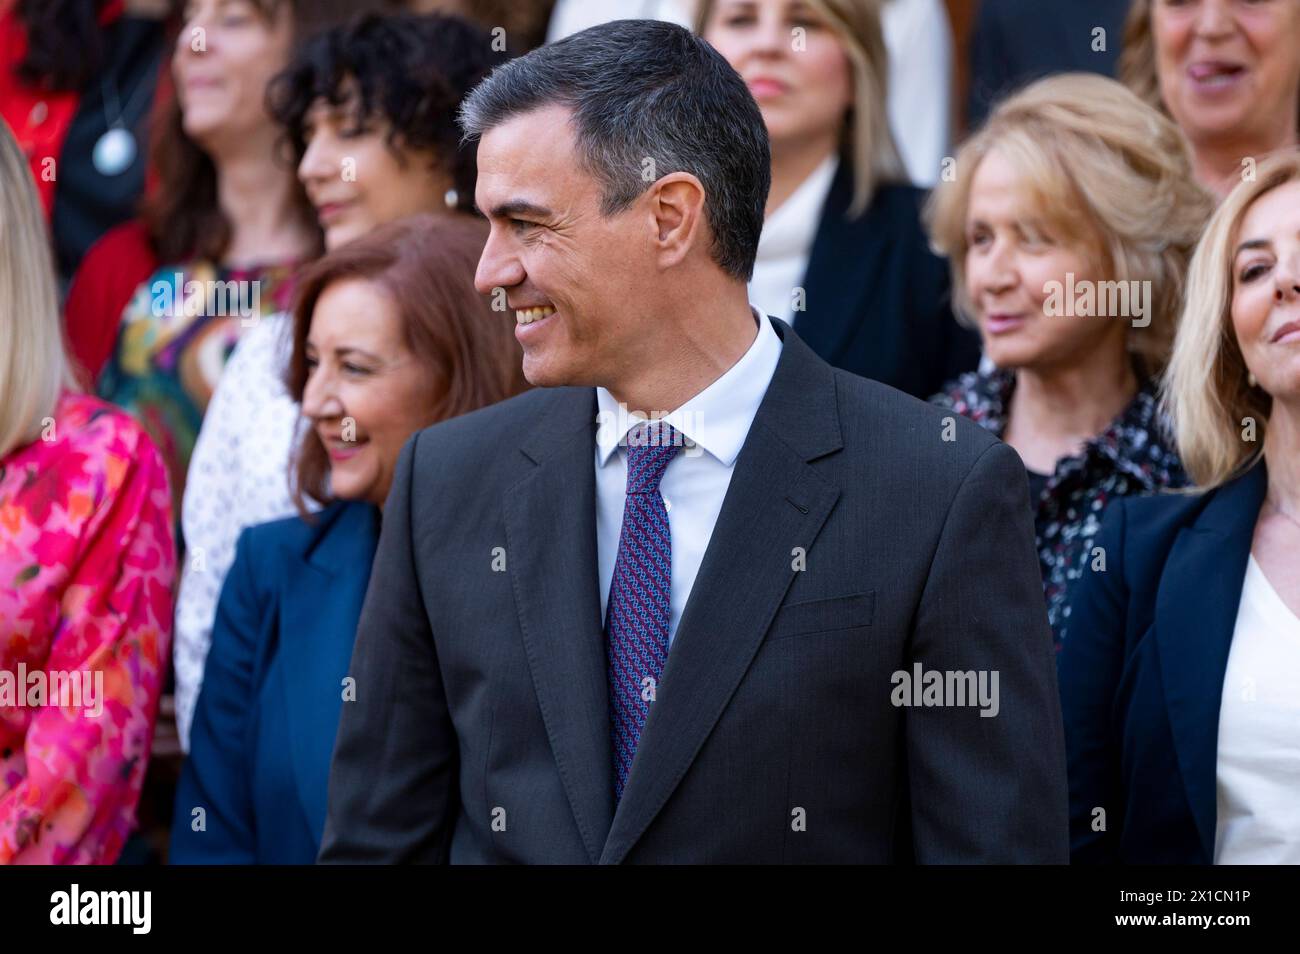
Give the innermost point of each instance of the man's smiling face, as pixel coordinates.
(580, 283)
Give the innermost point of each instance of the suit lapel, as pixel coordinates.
(1196, 613)
(551, 556)
(845, 256)
(776, 501)
(326, 587)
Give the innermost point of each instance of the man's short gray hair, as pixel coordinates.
(648, 99)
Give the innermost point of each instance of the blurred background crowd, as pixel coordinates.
(232, 229)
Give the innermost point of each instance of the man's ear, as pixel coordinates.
(677, 214)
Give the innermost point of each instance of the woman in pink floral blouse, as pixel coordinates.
(87, 566)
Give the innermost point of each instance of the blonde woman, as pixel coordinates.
(1069, 224)
(1181, 683)
(842, 254)
(1226, 71)
(87, 565)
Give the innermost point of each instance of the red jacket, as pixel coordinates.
(38, 118)
(112, 270)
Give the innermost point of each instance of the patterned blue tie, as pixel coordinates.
(636, 620)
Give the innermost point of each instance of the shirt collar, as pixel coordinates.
(716, 420)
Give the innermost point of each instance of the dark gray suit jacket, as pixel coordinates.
(481, 733)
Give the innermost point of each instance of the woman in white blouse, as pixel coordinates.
(918, 38)
(843, 257)
(1180, 684)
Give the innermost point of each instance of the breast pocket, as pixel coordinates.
(823, 616)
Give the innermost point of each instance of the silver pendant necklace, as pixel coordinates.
(116, 149)
(114, 152)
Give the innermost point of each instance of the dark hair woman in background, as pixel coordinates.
(231, 221)
(78, 86)
(192, 210)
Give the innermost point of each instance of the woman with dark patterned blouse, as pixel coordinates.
(1069, 227)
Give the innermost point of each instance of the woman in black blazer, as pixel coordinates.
(843, 256)
(1180, 684)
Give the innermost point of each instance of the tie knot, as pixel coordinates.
(651, 446)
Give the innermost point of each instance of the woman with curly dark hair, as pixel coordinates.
(370, 115)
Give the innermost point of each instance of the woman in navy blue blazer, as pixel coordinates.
(389, 337)
(842, 256)
(1180, 683)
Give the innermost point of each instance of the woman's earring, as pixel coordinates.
(452, 198)
(1251, 379)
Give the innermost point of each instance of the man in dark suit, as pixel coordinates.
(795, 617)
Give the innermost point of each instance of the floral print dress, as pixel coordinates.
(176, 334)
(1134, 455)
(87, 568)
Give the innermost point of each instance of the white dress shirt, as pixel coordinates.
(786, 244)
(717, 421)
(238, 477)
(1258, 766)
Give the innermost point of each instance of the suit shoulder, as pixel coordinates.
(265, 547)
(507, 422)
(1143, 529)
(902, 419)
(290, 532)
(1159, 516)
(298, 534)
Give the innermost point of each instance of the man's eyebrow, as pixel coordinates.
(517, 207)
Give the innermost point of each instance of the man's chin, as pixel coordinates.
(549, 373)
(542, 374)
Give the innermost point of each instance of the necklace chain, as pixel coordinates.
(111, 82)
